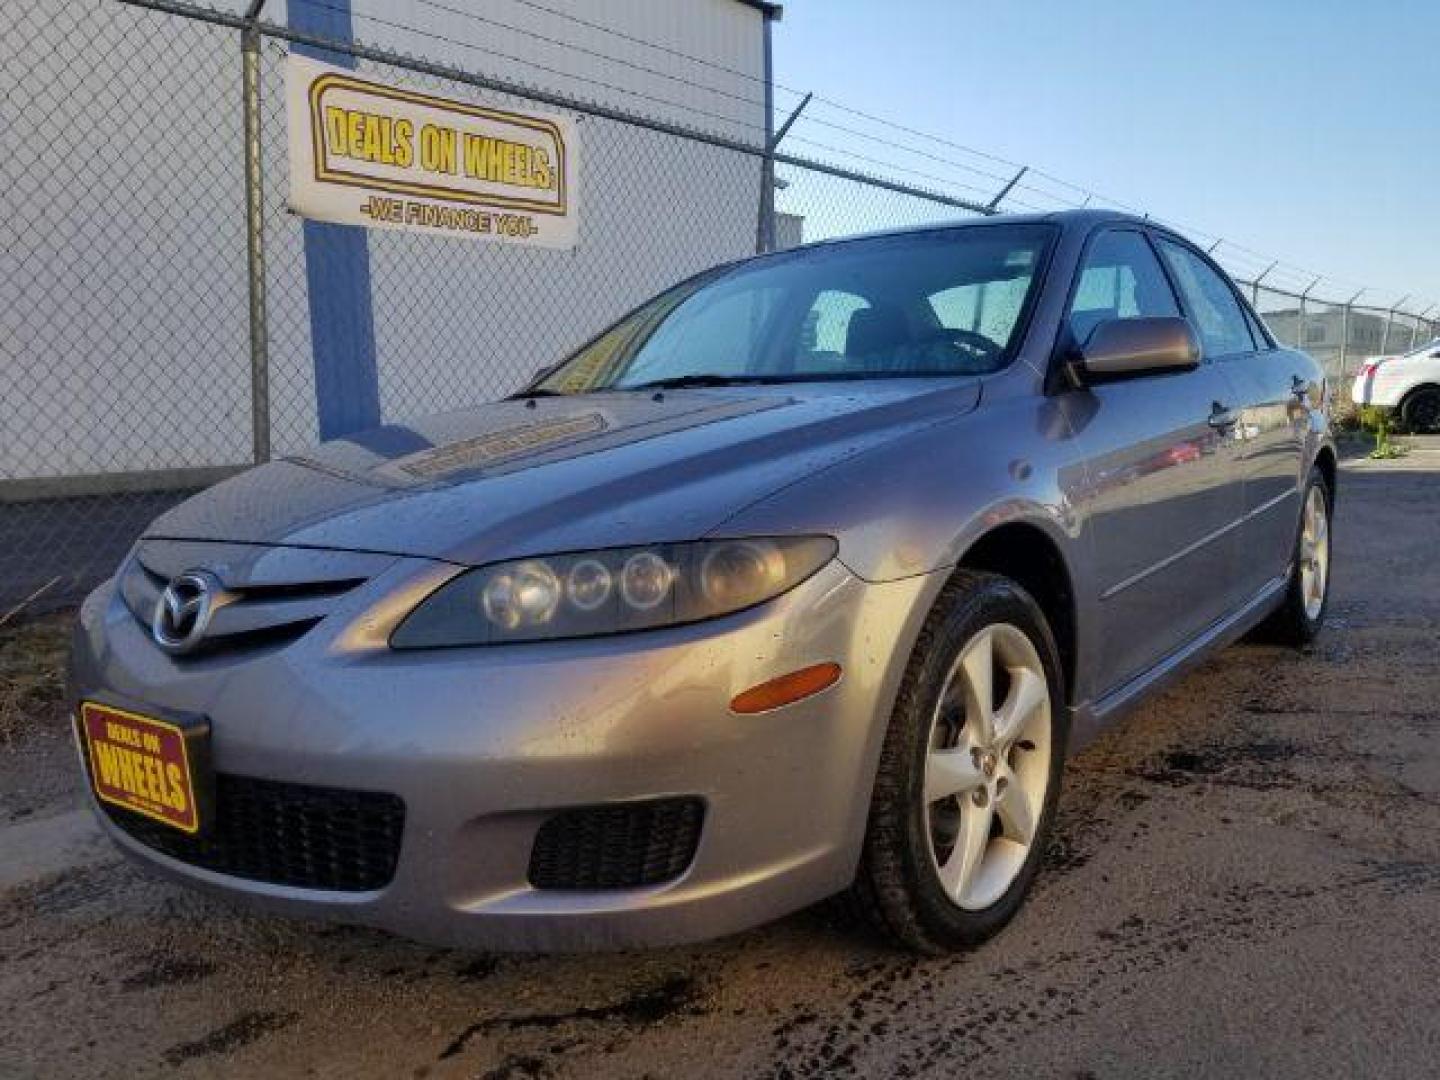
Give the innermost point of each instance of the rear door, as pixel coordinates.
(1163, 493)
(1271, 388)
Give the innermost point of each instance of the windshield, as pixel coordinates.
(950, 302)
(1432, 349)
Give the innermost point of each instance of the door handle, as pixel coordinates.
(1221, 418)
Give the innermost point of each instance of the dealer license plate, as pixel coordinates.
(143, 764)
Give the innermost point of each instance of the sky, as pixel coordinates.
(1302, 130)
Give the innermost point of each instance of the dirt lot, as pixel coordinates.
(1246, 881)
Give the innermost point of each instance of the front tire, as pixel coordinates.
(969, 772)
(1307, 595)
(1420, 411)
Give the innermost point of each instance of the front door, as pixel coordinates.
(1163, 492)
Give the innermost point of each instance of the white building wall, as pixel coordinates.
(123, 334)
(122, 324)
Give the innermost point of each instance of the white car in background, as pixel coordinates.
(1407, 385)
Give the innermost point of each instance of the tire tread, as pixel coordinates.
(883, 894)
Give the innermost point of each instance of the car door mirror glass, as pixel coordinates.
(1125, 348)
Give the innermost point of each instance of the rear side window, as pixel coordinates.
(1120, 279)
(1218, 315)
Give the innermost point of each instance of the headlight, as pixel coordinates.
(609, 592)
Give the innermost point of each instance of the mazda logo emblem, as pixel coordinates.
(183, 612)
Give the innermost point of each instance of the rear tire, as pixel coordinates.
(1420, 411)
(1307, 594)
(969, 772)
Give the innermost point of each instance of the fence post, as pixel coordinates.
(1389, 321)
(1344, 340)
(993, 206)
(765, 233)
(1345, 313)
(255, 239)
(1423, 319)
(1414, 329)
(1255, 286)
(1300, 318)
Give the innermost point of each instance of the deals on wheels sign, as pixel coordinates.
(363, 153)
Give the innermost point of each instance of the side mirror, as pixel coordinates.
(1125, 348)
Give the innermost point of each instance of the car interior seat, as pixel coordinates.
(876, 330)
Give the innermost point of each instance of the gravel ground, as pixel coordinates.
(1246, 880)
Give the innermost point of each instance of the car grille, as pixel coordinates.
(617, 847)
(286, 834)
(274, 595)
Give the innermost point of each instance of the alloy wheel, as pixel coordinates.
(987, 769)
(1314, 553)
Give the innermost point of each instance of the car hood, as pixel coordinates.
(516, 478)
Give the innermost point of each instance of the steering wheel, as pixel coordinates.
(974, 344)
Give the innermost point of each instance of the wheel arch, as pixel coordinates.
(1326, 462)
(1414, 392)
(1028, 555)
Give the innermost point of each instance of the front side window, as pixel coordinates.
(1120, 279)
(943, 303)
(1218, 315)
(1257, 331)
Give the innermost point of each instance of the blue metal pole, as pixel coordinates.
(337, 273)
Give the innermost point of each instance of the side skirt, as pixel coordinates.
(1089, 719)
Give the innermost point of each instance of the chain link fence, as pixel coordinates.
(1341, 334)
(128, 377)
(124, 369)
(134, 368)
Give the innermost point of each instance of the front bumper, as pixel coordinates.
(484, 745)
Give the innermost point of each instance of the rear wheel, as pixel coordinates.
(1420, 411)
(1307, 596)
(969, 773)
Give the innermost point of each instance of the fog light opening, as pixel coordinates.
(787, 689)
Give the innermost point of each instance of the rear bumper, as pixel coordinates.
(484, 745)
(1379, 390)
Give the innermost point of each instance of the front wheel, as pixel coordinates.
(969, 772)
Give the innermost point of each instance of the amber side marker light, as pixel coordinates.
(787, 689)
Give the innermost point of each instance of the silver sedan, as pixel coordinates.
(802, 578)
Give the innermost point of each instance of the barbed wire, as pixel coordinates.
(891, 166)
(1277, 272)
(620, 34)
(593, 53)
(1227, 250)
(528, 63)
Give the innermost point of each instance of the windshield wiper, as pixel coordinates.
(534, 392)
(680, 382)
